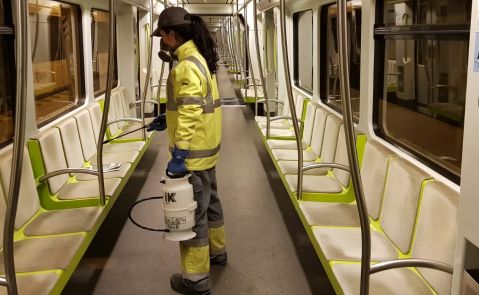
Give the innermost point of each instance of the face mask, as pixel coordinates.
(164, 56)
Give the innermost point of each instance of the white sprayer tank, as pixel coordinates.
(179, 207)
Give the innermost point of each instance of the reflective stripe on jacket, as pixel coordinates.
(193, 109)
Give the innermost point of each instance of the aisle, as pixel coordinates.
(268, 250)
(229, 95)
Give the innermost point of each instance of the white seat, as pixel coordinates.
(251, 93)
(291, 167)
(41, 222)
(335, 182)
(88, 139)
(318, 132)
(373, 174)
(284, 124)
(34, 284)
(292, 155)
(435, 238)
(390, 282)
(398, 215)
(72, 148)
(54, 160)
(30, 253)
(307, 128)
(316, 121)
(344, 244)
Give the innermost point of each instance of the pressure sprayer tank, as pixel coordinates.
(179, 207)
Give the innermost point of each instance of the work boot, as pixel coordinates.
(185, 286)
(219, 259)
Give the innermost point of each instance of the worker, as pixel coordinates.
(193, 117)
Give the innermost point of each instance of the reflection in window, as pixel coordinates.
(303, 44)
(2, 13)
(271, 47)
(421, 100)
(330, 75)
(100, 27)
(7, 74)
(426, 12)
(55, 35)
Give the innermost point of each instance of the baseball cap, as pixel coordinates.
(172, 16)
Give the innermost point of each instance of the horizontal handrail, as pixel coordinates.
(411, 262)
(326, 165)
(273, 100)
(156, 85)
(47, 176)
(124, 120)
(284, 118)
(146, 100)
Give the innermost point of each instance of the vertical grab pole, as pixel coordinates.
(292, 106)
(106, 107)
(158, 91)
(350, 142)
(248, 60)
(260, 67)
(148, 74)
(10, 281)
(239, 46)
(233, 46)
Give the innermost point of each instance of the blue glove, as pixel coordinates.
(176, 166)
(158, 124)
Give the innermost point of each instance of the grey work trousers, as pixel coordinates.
(209, 213)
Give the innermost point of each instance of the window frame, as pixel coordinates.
(296, 80)
(7, 33)
(323, 58)
(409, 32)
(81, 97)
(115, 59)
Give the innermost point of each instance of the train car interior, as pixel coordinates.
(348, 158)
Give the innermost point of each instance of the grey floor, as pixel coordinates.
(268, 249)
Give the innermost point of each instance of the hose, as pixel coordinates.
(139, 225)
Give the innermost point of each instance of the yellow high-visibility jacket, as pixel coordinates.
(193, 109)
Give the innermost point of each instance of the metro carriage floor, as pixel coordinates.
(268, 249)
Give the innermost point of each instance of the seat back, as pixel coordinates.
(117, 105)
(28, 202)
(341, 157)
(285, 111)
(309, 123)
(95, 115)
(400, 202)
(436, 229)
(125, 100)
(299, 104)
(373, 174)
(53, 157)
(330, 138)
(318, 130)
(87, 136)
(111, 117)
(72, 146)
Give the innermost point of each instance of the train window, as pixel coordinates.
(7, 74)
(2, 14)
(99, 34)
(271, 47)
(420, 79)
(426, 12)
(330, 84)
(303, 53)
(56, 58)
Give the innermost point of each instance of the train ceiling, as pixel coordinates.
(207, 1)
